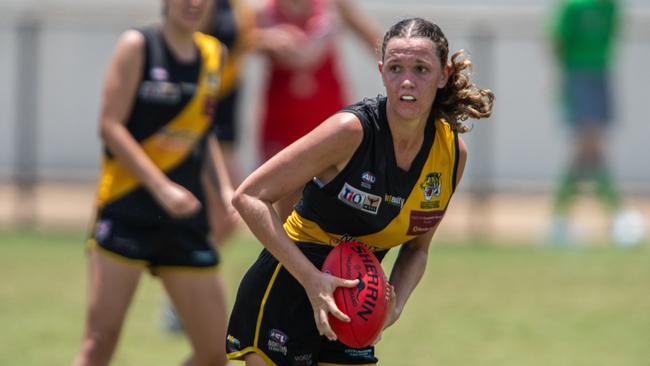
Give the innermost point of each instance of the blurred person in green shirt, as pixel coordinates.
(584, 33)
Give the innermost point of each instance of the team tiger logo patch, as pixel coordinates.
(431, 186)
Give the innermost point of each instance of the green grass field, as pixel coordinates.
(508, 305)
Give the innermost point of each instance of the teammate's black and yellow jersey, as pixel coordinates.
(170, 119)
(233, 24)
(374, 201)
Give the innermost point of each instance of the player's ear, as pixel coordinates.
(445, 76)
(380, 66)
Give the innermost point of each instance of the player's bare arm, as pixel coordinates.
(321, 153)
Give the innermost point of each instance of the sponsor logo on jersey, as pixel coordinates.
(368, 179)
(161, 92)
(359, 199)
(175, 139)
(431, 186)
(394, 200)
(188, 88)
(422, 221)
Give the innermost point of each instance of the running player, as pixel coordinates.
(381, 172)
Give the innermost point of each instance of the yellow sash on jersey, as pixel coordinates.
(420, 212)
(245, 20)
(172, 144)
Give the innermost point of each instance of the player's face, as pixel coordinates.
(187, 14)
(412, 73)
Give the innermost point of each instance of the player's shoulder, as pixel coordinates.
(131, 40)
(348, 123)
(370, 111)
(368, 105)
(129, 49)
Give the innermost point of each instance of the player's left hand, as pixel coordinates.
(321, 295)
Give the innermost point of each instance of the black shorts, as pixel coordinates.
(273, 317)
(156, 245)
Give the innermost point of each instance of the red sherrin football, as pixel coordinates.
(366, 304)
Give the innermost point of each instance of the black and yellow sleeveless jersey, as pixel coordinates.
(374, 201)
(233, 24)
(170, 120)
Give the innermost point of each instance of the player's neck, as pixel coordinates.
(406, 132)
(181, 42)
(408, 137)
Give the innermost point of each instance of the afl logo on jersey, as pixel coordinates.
(359, 199)
(158, 74)
(278, 336)
(368, 179)
(431, 186)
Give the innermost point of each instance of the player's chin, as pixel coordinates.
(410, 112)
(191, 23)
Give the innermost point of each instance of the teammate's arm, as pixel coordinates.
(322, 153)
(362, 25)
(122, 80)
(219, 192)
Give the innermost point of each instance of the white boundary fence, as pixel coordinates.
(53, 61)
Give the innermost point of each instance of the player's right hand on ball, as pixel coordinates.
(177, 200)
(320, 292)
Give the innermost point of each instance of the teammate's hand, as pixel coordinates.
(320, 292)
(177, 200)
(283, 39)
